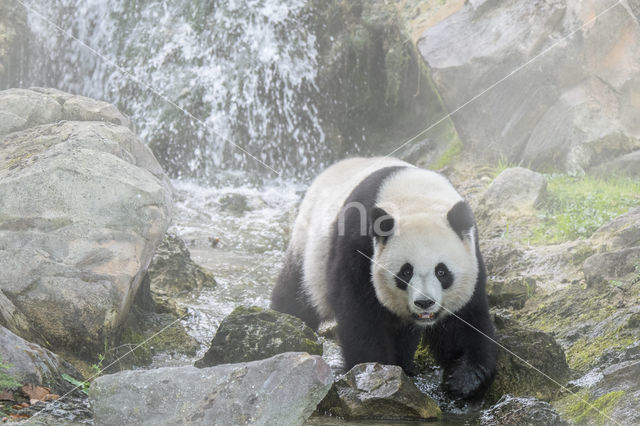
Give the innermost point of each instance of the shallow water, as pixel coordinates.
(240, 233)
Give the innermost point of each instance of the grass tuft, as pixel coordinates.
(576, 207)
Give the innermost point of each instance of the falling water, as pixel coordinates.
(245, 69)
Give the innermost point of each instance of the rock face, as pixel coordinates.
(376, 391)
(513, 411)
(83, 205)
(254, 333)
(284, 389)
(32, 364)
(572, 108)
(539, 350)
(376, 90)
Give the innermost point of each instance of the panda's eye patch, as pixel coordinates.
(404, 276)
(444, 275)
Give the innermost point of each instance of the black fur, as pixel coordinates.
(467, 356)
(288, 296)
(460, 218)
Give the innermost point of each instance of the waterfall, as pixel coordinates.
(246, 69)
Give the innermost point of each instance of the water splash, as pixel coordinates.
(246, 68)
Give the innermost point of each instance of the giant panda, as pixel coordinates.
(390, 251)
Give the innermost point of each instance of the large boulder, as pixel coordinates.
(83, 205)
(252, 333)
(284, 389)
(558, 81)
(515, 189)
(376, 391)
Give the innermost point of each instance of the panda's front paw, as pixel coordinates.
(464, 380)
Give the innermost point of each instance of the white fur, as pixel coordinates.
(419, 201)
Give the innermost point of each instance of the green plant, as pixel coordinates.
(576, 206)
(97, 368)
(6, 381)
(83, 386)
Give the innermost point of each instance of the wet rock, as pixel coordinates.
(376, 391)
(32, 364)
(620, 266)
(521, 411)
(515, 189)
(529, 354)
(251, 333)
(564, 113)
(173, 272)
(284, 389)
(83, 205)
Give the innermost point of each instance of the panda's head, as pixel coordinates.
(424, 265)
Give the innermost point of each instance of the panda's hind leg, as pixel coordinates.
(288, 295)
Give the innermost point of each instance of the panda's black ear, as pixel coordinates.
(461, 219)
(381, 224)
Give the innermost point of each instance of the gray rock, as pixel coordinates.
(571, 108)
(617, 265)
(82, 207)
(515, 189)
(252, 333)
(521, 411)
(172, 271)
(32, 364)
(622, 232)
(376, 391)
(284, 389)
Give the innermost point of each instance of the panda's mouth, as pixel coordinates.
(425, 317)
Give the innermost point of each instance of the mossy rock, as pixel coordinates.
(253, 333)
(542, 357)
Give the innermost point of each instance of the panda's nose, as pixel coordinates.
(423, 303)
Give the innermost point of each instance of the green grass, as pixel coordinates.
(576, 206)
